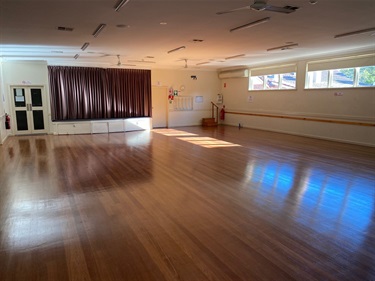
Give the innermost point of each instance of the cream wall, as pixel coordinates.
(3, 131)
(206, 85)
(25, 73)
(352, 105)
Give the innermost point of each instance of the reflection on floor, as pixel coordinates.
(164, 205)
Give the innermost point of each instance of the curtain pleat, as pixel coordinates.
(97, 93)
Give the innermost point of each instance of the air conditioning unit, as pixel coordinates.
(236, 73)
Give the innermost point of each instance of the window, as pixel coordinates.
(366, 76)
(358, 71)
(273, 78)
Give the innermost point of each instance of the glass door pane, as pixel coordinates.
(21, 118)
(19, 97)
(38, 119)
(36, 97)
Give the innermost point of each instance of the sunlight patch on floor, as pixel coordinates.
(195, 139)
(173, 133)
(208, 142)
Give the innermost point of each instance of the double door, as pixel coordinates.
(29, 110)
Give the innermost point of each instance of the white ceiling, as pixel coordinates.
(28, 31)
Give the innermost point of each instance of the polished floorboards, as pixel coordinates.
(186, 204)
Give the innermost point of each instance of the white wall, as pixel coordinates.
(353, 105)
(29, 73)
(25, 73)
(3, 132)
(206, 85)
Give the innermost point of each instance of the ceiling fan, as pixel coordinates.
(122, 64)
(186, 63)
(261, 5)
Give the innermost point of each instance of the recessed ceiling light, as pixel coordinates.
(163, 23)
(63, 28)
(122, 26)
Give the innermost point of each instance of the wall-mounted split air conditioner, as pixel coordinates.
(236, 73)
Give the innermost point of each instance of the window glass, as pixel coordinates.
(342, 78)
(257, 82)
(366, 76)
(272, 81)
(288, 80)
(318, 79)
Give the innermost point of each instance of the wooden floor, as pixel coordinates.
(186, 204)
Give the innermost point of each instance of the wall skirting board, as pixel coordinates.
(348, 131)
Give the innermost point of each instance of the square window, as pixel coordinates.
(272, 81)
(342, 78)
(257, 82)
(288, 80)
(318, 79)
(366, 77)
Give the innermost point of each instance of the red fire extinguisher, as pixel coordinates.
(222, 113)
(7, 121)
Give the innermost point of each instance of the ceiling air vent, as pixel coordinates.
(63, 28)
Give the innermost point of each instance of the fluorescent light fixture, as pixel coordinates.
(142, 61)
(206, 62)
(177, 49)
(84, 46)
(99, 29)
(285, 47)
(234, 57)
(76, 56)
(120, 4)
(355, 32)
(251, 24)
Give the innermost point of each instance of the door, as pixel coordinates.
(29, 110)
(159, 107)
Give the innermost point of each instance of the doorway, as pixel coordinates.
(29, 108)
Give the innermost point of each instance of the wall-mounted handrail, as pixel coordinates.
(215, 109)
(345, 122)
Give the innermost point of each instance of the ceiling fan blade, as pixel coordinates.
(285, 10)
(234, 10)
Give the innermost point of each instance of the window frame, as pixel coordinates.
(355, 62)
(278, 70)
(355, 83)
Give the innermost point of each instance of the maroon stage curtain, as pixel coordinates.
(97, 93)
